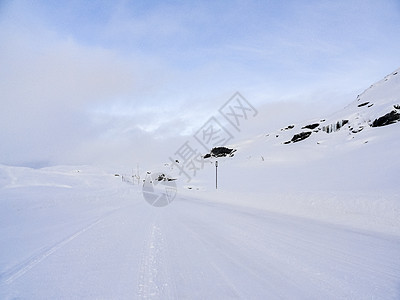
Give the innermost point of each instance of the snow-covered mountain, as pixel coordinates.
(377, 106)
(360, 139)
(344, 162)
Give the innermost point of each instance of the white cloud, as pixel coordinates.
(79, 83)
(51, 86)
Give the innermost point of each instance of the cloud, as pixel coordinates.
(51, 87)
(122, 81)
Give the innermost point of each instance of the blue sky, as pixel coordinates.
(93, 81)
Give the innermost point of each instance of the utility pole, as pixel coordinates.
(137, 173)
(216, 174)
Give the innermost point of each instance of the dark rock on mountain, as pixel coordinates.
(359, 129)
(387, 119)
(163, 177)
(288, 127)
(363, 104)
(335, 126)
(311, 126)
(220, 152)
(300, 136)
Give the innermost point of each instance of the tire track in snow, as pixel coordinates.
(214, 262)
(20, 269)
(154, 280)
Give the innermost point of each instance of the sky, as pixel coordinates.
(125, 82)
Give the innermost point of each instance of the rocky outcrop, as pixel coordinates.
(299, 137)
(220, 152)
(389, 118)
(163, 177)
(363, 104)
(335, 126)
(289, 127)
(311, 126)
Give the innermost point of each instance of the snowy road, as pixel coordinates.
(196, 249)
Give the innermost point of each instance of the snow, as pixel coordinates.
(121, 247)
(316, 219)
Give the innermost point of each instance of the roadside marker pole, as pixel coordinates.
(216, 174)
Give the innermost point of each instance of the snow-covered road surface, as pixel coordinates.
(196, 249)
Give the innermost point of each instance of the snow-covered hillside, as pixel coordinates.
(344, 170)
(377, 106)
(317, 218)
